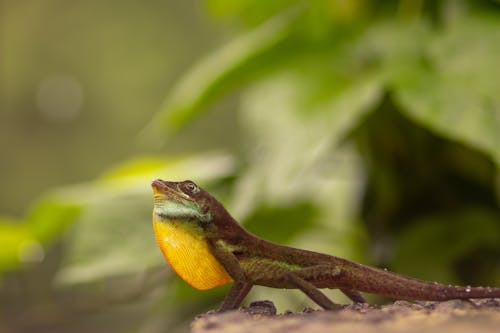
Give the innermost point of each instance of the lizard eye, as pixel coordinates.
(191, 188)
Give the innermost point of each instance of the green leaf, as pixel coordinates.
(252, 12)
(23, 241)
(438, 241)
(49, 216)
(18, 245)
(140, 171)
(224, 69)
(456, 92)
(113, 237)
(306, 123)
(283, 223)
(249, 11)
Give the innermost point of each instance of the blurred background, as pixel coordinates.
(368, 130)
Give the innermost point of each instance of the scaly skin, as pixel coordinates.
(207, 248)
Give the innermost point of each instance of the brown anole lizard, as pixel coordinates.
(207, 248)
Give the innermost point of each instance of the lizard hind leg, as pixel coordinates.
(297, 279)
(353, 295)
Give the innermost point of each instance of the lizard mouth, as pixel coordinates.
(163, 189)
(157, 185)
(167, 190)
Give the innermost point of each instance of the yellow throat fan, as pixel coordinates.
(188, 254)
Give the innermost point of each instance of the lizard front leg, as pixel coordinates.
(235, 296)
(299, 279)
(241, 285)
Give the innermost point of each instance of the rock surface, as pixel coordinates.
(455, 316)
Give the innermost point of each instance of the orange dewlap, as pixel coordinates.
(188, 254)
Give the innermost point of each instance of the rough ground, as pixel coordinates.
(455, 316)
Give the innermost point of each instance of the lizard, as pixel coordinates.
(207, 247)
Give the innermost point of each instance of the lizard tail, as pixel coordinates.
(382, 282)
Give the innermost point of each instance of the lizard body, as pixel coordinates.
(207, 248)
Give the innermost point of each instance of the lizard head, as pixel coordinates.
(182, 201)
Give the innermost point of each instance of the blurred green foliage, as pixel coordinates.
(366, 130)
